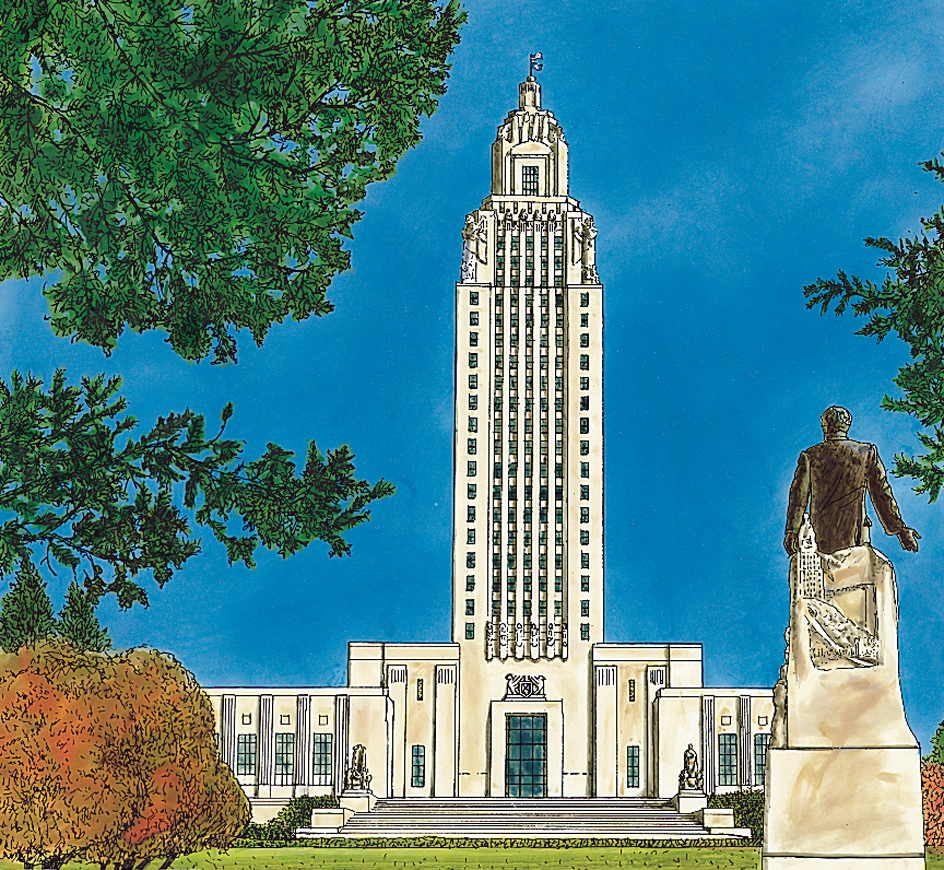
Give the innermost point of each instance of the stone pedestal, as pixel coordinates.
(357, 800)
(843, 786)
(690, 801)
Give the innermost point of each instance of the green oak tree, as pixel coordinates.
(907, 303)
(193, 167)
(79, 489)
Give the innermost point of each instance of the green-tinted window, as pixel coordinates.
(321, 758)
(727, 759)
(761, 741)
(632, 767)
(284, 758)
(246, 755)
(418, 780)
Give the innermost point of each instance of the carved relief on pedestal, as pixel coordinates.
(842, 620)
(358, 778)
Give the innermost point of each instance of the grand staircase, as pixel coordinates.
(492, 818)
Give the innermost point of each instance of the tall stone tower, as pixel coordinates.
(528, 528)
(528, 523)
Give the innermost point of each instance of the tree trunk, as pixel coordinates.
(167, 862)
(144, 863)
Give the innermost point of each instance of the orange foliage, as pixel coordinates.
(932, 790)
(109, 757)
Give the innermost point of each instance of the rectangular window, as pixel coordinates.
(470, 536)
(584, 300)
(511, 608)
(585, 338)
(471, 446)
(761, 741)
(496, 607)
(542, 607)
(470, 560)
(473, 339)
(585, 583)
(558, 263)
(727, 759)
(284, 758)
(632, 767)
(584, 403)
(529, 183)
(471, 491)
(471, 469)
(585, 383)
(246, 755)
(585, 515)
(473, 403)
(584, 320)
(584, 425)
(557, 608)
(418, 780)
(585, 608)
(473, 382)
(419, 690)
(584, 491)
(584, 560)
(632, 691)
(584, 537)
(584, 469)
(473, 318)
(470, 582)
(584, 448)
(470, 631)
(584, 631)
(558, 281)
(473, 424)
(470, 514)
(473, 297)
(473, 360)
(584, 361)
(321, 752)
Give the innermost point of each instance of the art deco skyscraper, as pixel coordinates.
(528, 524)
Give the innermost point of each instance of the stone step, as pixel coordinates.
(612, 818)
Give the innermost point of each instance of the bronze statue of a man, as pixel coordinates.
(835, 475)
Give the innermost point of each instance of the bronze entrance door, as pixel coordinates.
(526, 756)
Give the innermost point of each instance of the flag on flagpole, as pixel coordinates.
(537, 62)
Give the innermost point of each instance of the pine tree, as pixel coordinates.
(937, 746)
(26, 613)
(78, 623)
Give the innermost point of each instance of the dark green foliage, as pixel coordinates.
(497, 843)
(76, 486)
(78, 623)
(296, 814)
(26, 613)
(748, 809)
(191, 168)
(936, 754)
(909, 303)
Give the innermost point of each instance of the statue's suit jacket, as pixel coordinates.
(835, 474)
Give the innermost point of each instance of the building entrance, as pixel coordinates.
(526, 756)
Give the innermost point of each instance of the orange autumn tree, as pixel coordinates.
(109, 758)
(67, 767)
(193, 799)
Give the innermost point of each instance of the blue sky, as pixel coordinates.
(730, 153)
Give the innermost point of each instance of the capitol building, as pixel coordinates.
(528, 699)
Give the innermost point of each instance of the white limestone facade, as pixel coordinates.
(527, 700)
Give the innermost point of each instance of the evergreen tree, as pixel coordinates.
(26, 613)
(937, 746)
(78, 623)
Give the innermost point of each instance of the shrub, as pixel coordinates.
(294, 815)
(748, 809)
